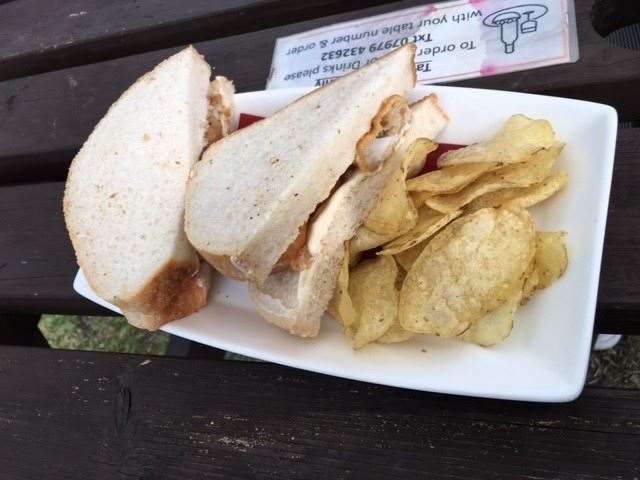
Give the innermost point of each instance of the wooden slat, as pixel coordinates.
(102, 416)
(22, 330)
(37, 264)
(44, 118)
(620, 275)
(43, 36)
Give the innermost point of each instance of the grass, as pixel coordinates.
(617, 367)
(104, 334)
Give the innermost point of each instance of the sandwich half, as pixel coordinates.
(124, 196)
(253, 192)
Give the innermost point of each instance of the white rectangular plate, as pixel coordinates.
(546, 356)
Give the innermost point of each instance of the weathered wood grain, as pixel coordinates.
(91, 415)
(42, 36)
(37, 263)
(21, 330)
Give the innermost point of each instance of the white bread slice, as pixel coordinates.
(427, 121)
(254, 189)
(124, 197)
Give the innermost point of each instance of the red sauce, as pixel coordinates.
(247, 119)
(432, 159)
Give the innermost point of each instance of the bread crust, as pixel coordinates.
(177, 290)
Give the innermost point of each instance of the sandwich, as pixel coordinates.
(124, 196)
(297, 300)
(274, 203)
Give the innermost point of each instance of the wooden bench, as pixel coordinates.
(67, 414)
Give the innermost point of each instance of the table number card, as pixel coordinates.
(455, 40)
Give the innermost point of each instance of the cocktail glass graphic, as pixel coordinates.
(513, 21)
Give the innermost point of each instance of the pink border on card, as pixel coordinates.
(564, 58)
(477, 73)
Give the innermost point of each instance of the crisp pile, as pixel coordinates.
(454, 252)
